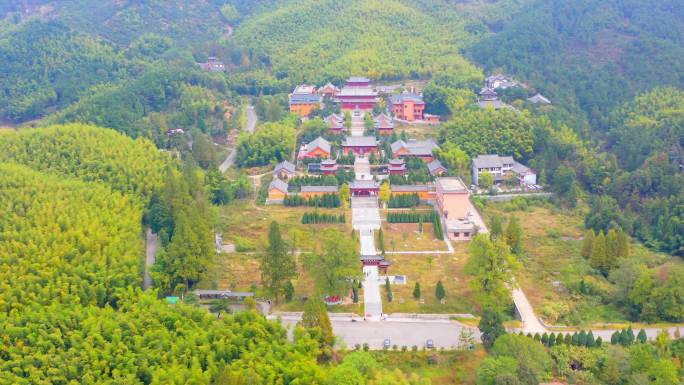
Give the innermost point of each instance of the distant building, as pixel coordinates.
(435, 168)
(384, 124)
(539, 99)
(313, 191)
(453, 205)
(364, 188)
(304, 99)
(318, 148)
(500, 166)
(284, 170)
(335, 123)
(376, 260)
(328, 91)
(329, 167)
(213, 64)
(357, 93)
(396, 166)
(360, 145)
(425, 192)
(415, 148)
(277, 191)
(488, 98)
(500, 81)
(408, 106)
(432, 119)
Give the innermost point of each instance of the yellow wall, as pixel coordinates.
(275, 194)
(456, 204)
(302, 109)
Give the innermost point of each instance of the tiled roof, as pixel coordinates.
(450, 185)
(410, 188)
(284, 166)
(487, 161)
(318, 143)
(278, 184)
(434, 166)
(358, 79)
(415, 147)
(366, 183)
(304, 98)
(539, 98)
(319, 189)
(398, 99)
(360, 141)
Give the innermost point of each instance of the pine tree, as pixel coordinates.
(587, 243)
(568, 339)
(641, 337)
(582, 338)
(615, 338)
(599, 255)
(439, 291)
(496, 227)
(277, 266)
(590, 340)
(623, 245)
(545, 339)
(552, 340)
(612, 246)
(416, 291)
(599, 342)
(513, 235)
(388, 290)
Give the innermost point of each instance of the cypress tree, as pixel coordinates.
(590, 339)
(575, 339)
(582, 339)
(641, 337)
(439, 291)
(623, 245)
(567, 339)
(552, 340)
(587, 243)
(612, 246)
(545, 339)
(416, 291)
(537, 337)
(615, 338)
(599, 255)
(599, 342)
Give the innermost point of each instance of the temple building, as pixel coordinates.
(314, 191)
(453, 205)
(408, 106)
(364, 188)
(360, 145)
(329, 167)
(318, 148)
(328, 91)
(304, 99)
(357, 93)
(384, 124)
(277, 191)
(335, 123)
(284, 170)
(396, 166)
(415, 148)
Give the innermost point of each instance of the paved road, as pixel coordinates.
(251, 126)
(150, 257)
(531, 323)
(400, 332)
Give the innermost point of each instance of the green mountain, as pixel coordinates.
(590, 55)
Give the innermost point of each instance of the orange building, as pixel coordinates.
(313, 191)
(304, 99)
(318, 148)
(408, 107)
(453, 205)
(425, 192)
(277, 191)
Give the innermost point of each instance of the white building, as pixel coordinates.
(500, 166)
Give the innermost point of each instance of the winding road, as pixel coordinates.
(251, 126)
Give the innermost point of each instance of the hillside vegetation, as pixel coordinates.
(593, 54)
(322, 40)
(46, 65)
(91, 154)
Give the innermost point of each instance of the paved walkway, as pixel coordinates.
(150, 257)
(400, 331)
(372, 300)
(357, 124)
(251, 126)
(365, 213)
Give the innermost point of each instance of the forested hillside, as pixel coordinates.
(590, 55)
(90, 154)
(122, 22)
(161, 99)
(47, 65)
(322, 40)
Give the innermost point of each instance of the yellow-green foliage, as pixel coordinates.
(64, 241)
(319, 40)
(88, 153)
